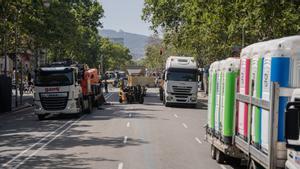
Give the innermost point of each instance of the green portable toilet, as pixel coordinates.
(230, 69)
(212, 96)
(219, 87)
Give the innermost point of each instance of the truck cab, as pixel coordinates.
(180, 81)
(66, 89)
(56, 91)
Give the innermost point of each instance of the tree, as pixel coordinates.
(210, 29)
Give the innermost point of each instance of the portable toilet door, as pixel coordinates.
(222, 69)
(256, 77)
(266, 92)
(285, 70)
(212, 97)
(230, 71)
(218, 99)
(242, 124)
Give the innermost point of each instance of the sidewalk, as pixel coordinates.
(27, 101)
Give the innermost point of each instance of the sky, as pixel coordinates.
(125, 15)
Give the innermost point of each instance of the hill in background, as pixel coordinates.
(135, 42)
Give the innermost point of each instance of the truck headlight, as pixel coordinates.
(169, 98)
(72, 105)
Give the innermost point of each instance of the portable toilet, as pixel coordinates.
(244, 85)
(255, 91)
(283, 66)
(218, 97)
(230, 69)
(212, 96)
(222, 68)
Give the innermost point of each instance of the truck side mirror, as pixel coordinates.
(292, 121)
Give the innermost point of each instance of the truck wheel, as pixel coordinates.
(254, 165)
(213, 152)
(41, 117)
(90, 106)
(141, 101)
(220, 156)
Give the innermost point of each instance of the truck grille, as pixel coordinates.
(182, 89)
(54, 102)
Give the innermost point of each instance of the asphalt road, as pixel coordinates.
(119, 136)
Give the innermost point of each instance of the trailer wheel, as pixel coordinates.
(220, 156)
(213, 152)
(254, 165)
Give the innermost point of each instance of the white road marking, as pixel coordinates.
(44, 145)
(198, 140)
(120, 166)
(107, 96)
(184, 125)
(176, 115)
(33, 145)
(222, 166)
(125, 139)
(128, 124)
(130, 115)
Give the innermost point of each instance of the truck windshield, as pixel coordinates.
(54, 78)
(189, 75)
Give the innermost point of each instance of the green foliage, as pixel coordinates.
(66, 29)
(210, 29)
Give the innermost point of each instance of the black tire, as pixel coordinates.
(220, 156)
(164, 100)
(254, 165)
(41, 117)
(213, 152)
(167, 104)
(90, 107)
(141, 101)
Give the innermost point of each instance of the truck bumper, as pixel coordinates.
(181, 99)
(71, 108)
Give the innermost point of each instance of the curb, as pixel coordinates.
(18, 109)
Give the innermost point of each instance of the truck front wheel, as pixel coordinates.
(41, 117)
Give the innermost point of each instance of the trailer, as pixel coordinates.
(266, 112)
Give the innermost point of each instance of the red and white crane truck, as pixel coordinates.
(66, 88)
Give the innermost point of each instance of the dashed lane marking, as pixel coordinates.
(175, 115)
(120, 166)
(198, 140)
(125, 139)
(184, 125)
(128, 124)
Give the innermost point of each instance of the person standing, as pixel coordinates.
(105, 83)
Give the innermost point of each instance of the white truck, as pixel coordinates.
(62, 88)
(180, 84)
